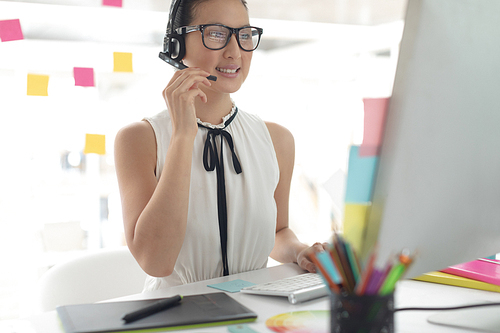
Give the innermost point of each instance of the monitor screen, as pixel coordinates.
(437, 189)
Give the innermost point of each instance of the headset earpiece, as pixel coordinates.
(176, 46)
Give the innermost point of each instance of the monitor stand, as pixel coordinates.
(482, 319)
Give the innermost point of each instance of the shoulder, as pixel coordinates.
(281, 136)
(284, 143)
(140, 132)
(136, 140)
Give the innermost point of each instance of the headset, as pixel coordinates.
(174, 46)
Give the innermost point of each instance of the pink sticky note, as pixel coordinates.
(10, 30)
(375, 111)
(114, 3)
(83, 76)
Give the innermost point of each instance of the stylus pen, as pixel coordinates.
(152, 309)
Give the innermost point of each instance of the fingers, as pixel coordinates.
(182, 83)
(306, 262)
(185, 79)
(180, 95)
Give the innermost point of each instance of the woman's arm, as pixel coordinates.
(287, 247)
(155, 212)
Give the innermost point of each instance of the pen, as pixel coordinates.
(152, 309)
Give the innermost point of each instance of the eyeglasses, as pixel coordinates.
(217, 36)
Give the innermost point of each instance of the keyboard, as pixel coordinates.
(297, 288)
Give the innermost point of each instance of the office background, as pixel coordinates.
(317, 60)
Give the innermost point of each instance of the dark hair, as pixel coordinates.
(187, 11)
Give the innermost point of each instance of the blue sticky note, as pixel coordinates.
(231, 286)
(327, 262)
(360, 176)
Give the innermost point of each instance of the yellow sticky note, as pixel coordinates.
(95, 143)
(38, 85)
(122, 62)
(355, 216)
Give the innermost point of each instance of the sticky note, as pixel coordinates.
(241, 328)
(95, 143)
(84, 77)
(360, 176)
(38, 85)
(114, 3)
(232, 286)
(122, 62)
(355, 217)
(375, 110)
(10, 30)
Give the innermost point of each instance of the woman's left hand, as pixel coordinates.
(303, 257)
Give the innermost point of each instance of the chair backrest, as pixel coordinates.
(92, 277)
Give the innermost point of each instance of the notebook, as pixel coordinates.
(192, 312)
(481, 270)
(455, 280)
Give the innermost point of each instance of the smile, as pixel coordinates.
(227, 71)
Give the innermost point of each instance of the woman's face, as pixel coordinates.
(231, 64)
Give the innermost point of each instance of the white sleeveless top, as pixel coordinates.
(251, 208)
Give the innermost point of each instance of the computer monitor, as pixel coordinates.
(437, 189)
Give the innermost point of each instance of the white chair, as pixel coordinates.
(92, 277)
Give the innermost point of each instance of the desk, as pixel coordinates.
(409, 293)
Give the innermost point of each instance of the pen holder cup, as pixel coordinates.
(366, 314)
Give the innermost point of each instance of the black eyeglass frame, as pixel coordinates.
(235, 31)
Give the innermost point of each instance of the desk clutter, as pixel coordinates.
(362, 296)
(344, 273)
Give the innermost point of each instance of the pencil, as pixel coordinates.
(326, 276)
(365, 276)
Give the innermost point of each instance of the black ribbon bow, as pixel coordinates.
(211, 162)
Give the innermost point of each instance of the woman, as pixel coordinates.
(187, 217)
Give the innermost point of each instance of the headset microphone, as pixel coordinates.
(174, 47)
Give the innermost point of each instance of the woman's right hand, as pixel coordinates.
(180, 95)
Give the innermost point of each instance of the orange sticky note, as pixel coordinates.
(38, 85)
(10, 30)
(95, 143)
(375, 111)
(122, 62)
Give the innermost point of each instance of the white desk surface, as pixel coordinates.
(409, 294)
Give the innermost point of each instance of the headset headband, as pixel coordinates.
(173, 13)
